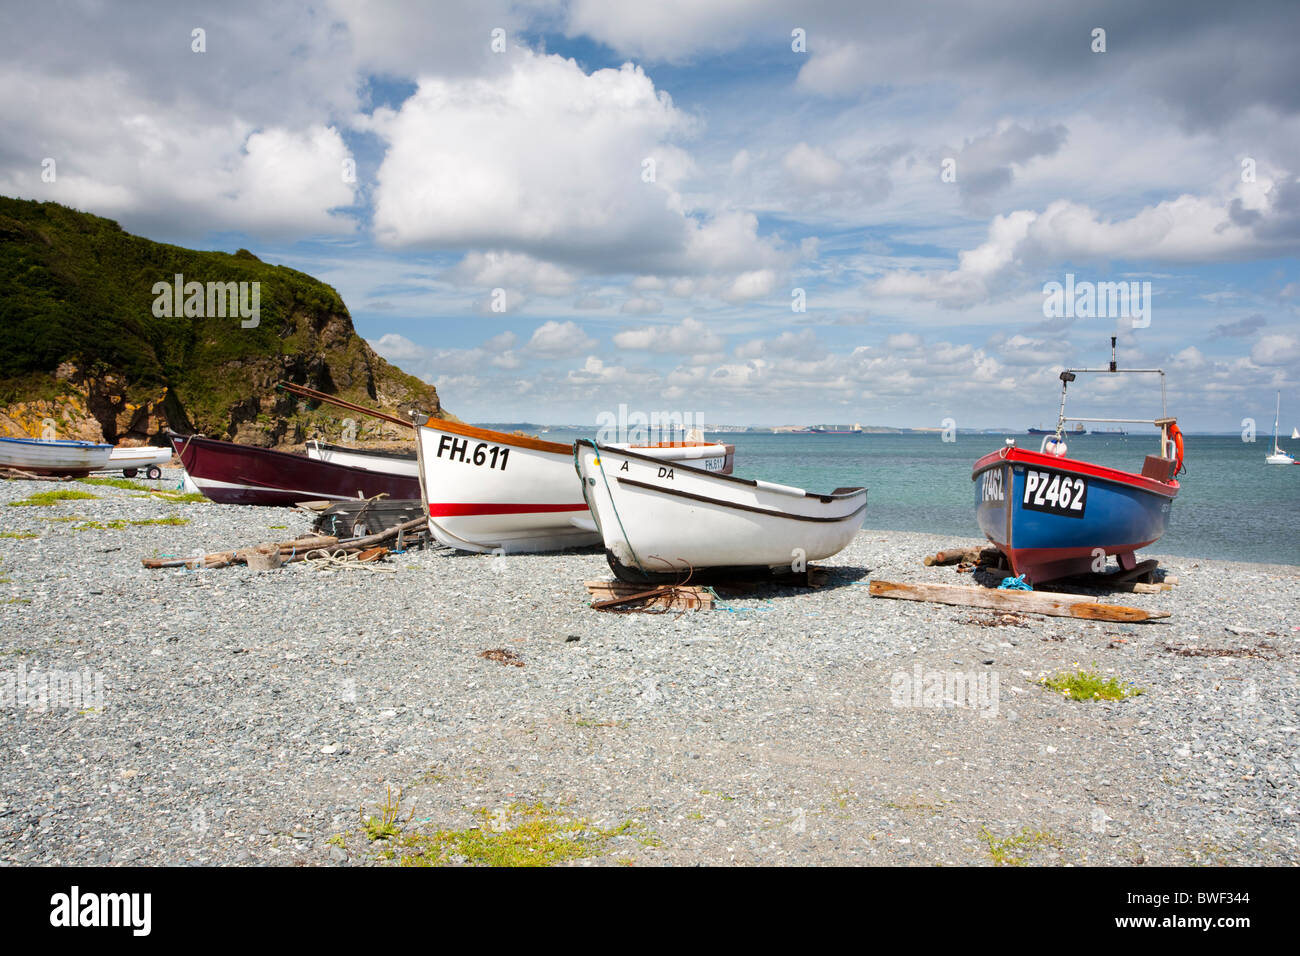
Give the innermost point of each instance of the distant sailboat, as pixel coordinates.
(1295, 434)
(1279, 457)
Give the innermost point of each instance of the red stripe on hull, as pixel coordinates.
(459, 510)
(1020, 455)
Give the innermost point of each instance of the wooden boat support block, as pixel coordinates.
(1029, 602)
(265, 557)
(618, 596)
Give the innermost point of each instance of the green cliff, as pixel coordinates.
(91, 350)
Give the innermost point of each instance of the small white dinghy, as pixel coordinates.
(145, 458)
(40, 456)
(492, 491)
(388, 462)
(662, 521)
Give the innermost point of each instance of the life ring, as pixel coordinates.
(1176, 435)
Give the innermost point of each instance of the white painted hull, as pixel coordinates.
(513, 499)
(491, 492)
(138, 458)
(53, 457)
(353, 458)
(666, 518)
(1280, 458)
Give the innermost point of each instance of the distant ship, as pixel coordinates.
(1113, 432)
(835, 430)
(1078, 429)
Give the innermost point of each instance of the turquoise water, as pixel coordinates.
(1231, 506)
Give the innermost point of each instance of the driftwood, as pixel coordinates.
(1029, 602)
(619, 595)
(287, 551)
(19, 475)
(963, 555)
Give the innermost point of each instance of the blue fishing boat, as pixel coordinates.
(1054, 516)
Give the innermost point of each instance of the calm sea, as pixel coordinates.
(1232, 505)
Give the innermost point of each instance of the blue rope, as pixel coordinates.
(1017, 583)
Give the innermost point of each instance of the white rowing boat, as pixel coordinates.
(663, 520)
(491, 491)
(144, 458)
(50, 457)
(388, 462)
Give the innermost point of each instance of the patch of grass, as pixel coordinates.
(99, 526)
(119, 523)
(516, 835)
(124, 483)
(1015, 849)
(584, 722)
(18, 534)
(933, 809)
(43, 499)
(179, 497)
(1089, 685)
(384, 826)
(17, 600)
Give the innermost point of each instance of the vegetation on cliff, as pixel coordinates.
(84, 347)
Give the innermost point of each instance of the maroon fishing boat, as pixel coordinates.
(234, 474)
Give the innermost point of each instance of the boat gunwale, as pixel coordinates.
(65, 443)
(498, 438)
(375, 453)
(1075, 466)
(750, 482)
(735, 505)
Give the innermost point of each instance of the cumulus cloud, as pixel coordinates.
(1188, 229)
(559, 339)
(642, 305)
(986, 164)
(540, 158)
(812, 168)
(689, 336)
(1280, 348)
(512, 270)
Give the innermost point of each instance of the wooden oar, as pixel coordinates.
(305, 392)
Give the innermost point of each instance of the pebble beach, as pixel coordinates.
(418, 713)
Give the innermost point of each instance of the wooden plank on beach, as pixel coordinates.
(1030, 602)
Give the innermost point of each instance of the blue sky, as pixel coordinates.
(518, 176)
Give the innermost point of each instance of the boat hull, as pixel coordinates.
(489, 491)
(1055, 517)
(72, 459)
(229, 473)
(391, 463)
(135, 459)
(663, 518)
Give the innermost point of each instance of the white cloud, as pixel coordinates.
(512, 270)
(642, 305)
(559, 339)
(812, 168)
(690, 336)
(539, 157)
(1250, 221)
(1282, 348)
(751, 285)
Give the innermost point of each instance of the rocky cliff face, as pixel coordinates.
(88, 356)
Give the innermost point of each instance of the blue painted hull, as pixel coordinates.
(1055, 517)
